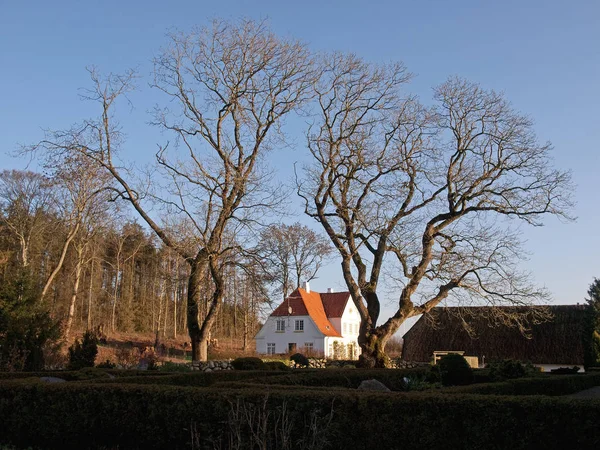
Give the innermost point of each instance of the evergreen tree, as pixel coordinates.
(592, 332)
(26, 327)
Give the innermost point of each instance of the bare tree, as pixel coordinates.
(81, 193)
(430, 194)
(292, 253)
(229, 87)
(25, 202)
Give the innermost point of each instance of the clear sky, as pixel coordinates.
(545, 56)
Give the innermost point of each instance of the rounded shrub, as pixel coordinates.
(507, 369)
(455, 370)
(276, 365)
(248, 363)
(300, 360)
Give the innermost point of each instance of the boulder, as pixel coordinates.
(373, 385)
(52, 380)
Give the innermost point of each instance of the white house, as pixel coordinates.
(312, 323)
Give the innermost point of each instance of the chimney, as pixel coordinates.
(306, 286)
(330, 290)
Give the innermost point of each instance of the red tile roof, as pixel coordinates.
(316, 305)
(293, 301)
(335, 303)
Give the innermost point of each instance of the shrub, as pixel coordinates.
(299, 360)
(276, 365)
(127, 358)
(106, 365)
(455, 370)
(83, 353)
(248, 363)
(506, 370)
(27, 331)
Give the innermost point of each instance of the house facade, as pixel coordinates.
(471, 331)
(312, 323)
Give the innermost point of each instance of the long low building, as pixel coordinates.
(480, 332)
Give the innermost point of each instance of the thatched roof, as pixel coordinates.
(558, 341)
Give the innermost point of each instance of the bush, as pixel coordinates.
(83, 353)
(106, 365)
(276, 365)
(300, 360)
(455, 370)
(27, 331)
(510, 369)
(248, 363)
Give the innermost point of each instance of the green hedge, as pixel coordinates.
(392, 378)
(538, 385)
(87, 415)
(196, 378)
(89, 372)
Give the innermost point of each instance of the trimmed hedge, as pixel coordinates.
(392, 378)
(91, 415)
(86, 373)
(197, 378)
(248, 363)
(538, 385)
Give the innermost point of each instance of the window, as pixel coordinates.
(308, 348)
(299, 325)
(280, 324)
(270, 348)
(292, 347)
(355, 328)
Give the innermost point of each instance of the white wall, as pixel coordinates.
(269, 334)
(351, 318)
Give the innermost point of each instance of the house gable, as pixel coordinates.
(303, 303)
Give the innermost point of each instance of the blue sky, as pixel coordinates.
(545, 56)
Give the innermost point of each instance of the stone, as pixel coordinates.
(53, 380)
(373, 385)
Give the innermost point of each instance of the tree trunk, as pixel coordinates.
(89, 316)
(113, 320)
(61, 260)
(373, 352)
(78, 268)
(193, 300)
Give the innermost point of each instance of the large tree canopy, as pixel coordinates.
(228, 87)
(427, 194)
